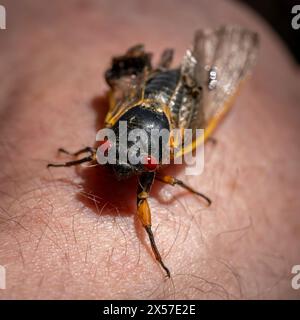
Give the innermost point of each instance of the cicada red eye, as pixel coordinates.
(105, 145)
(150, 163)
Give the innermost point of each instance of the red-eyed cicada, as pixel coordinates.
(195, 94)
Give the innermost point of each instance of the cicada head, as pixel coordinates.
(138, 149)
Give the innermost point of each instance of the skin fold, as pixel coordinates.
(73, 232)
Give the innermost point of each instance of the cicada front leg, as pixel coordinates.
(91, 157)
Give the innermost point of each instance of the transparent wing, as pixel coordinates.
(218, 62)
(126, 78)
(212, 72)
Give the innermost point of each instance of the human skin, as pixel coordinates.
(73, 232)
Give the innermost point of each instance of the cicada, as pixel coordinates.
(195, 94)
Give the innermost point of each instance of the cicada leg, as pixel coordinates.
(144, 213)
(89, 158)
(166, 59)
(173, 182)
(77, 153)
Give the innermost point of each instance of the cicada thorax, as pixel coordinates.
(153, 110)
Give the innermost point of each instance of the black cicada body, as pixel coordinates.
(194, 95)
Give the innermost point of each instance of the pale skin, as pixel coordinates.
(73, 232)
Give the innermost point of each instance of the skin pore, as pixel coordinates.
(73, 232)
